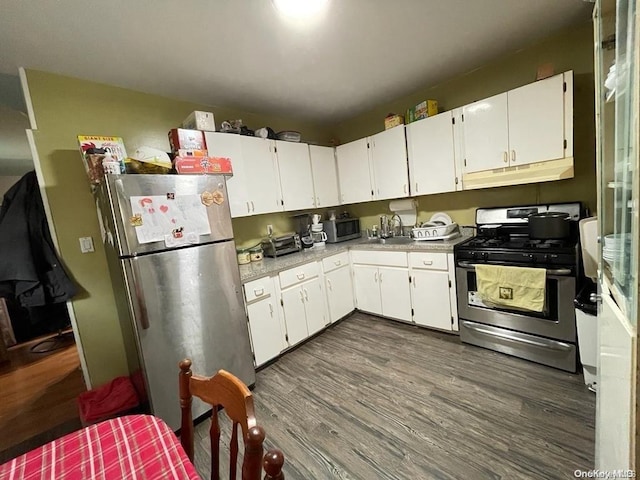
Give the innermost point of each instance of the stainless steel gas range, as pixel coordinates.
(547, 337)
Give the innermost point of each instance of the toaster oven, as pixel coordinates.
(342, 229)
(277, 246)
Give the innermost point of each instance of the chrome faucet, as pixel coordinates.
(395, 215)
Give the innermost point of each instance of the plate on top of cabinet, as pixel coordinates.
(441, 217)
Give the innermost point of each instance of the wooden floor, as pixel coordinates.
(374, 399)
(38, 396)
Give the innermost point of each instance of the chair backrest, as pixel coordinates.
(224, 390)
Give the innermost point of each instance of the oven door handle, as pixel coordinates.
(560, 272)
(542, 342)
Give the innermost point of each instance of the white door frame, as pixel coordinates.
(47, 211)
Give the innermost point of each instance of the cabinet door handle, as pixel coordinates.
(513, 155)
(337, 263)
(306, 294)
(301, 296)
(505, 157)
(248, 208)
(271, 309)
(257, 292)
(375, 277)
(380, 277)
(417, 187)
(329, 284)
(428, 262)
(405, 188)
(317, 201)
(300, 275)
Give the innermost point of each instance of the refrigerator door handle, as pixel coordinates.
(139, 294)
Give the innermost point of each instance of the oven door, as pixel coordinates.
(556, 321)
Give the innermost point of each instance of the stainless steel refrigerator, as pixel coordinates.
(172, 260)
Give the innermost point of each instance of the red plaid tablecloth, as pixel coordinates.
(133, 447)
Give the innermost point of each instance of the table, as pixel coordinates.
(130, 447)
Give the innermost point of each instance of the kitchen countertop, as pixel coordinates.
(273, 266)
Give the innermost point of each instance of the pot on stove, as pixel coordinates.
(549, 225)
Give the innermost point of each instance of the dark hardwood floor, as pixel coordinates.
(38, 395)
(374, 399)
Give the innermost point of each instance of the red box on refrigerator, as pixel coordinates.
(180, 138)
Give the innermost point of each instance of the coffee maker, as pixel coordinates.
(302, 224)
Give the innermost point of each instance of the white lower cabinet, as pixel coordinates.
(267, 337)
(339, 286)
(339, 293)
(382, 283)
(367, 289)
(433, 295)
(303, 302)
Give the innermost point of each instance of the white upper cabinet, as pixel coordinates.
(374, 168)
(262, 174)
(389, 163)
(228, 145)
(526, 125)
(296, 181)
(486, 135)
(325, 176)
(353, 172)
(431, 149)
(254, 187)
(536, 122)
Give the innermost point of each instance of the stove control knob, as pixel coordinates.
(485, 255)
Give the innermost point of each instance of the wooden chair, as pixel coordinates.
(227, 391)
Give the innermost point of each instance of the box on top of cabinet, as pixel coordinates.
(393, 120)
(427, 108)
(200, 121)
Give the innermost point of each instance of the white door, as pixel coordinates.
(293, 305)
(431, 155)
(536, 122)
(486, 136)
(314, 306)
(430, 299)
(264, 326)
(263, 184)
(228, 145)
(389, 161)
(325, 175)
(615, 401)
(294, 166)
(339, 293)
(353, 172)
(395, 293)
(367, 288)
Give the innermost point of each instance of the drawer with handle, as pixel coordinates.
(299, 274)
(335, 261)
(258, 289)
(428, 260)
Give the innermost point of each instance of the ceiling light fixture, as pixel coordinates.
(300, 9)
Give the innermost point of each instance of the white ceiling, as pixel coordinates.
(241, 53)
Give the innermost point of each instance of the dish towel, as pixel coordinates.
(517, 287)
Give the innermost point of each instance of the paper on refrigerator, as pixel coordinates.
(162, 216)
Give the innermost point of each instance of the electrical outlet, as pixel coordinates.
(269, 230)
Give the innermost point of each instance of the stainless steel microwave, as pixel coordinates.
(342, 229)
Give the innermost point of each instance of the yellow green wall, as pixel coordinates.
(570, 50)
(66, 107)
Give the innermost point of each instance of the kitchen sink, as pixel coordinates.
(392, 240)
